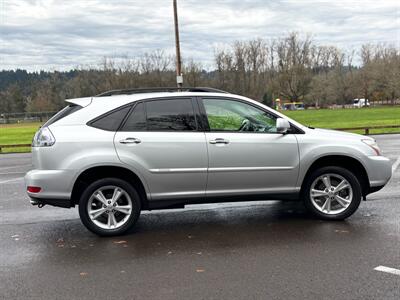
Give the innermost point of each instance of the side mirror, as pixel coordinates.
(282, 125)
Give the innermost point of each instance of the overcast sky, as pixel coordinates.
(60, 35)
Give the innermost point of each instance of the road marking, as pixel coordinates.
(12, 173)
(14, 167)
(11, 180)
(388, 270)
(396, 165)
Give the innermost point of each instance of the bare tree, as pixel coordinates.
(292, 68)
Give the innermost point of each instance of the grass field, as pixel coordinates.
(339, 118)
(347, 118)
(17, 134)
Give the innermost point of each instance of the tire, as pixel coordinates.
(104, 217)
(342, 203)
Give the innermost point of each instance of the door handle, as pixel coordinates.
(130, 140)
(219, 141)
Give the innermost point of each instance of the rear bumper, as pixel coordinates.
(66, 203)
(55, 186)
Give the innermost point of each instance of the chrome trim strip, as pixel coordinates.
(178, 195)
(266, 191)
(216, 170)
(178, 170)
(241, 169)
(231, 192)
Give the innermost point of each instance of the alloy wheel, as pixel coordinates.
(331, 193)
(109, 207)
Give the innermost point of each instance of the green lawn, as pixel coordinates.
(17, 134)
(324, 118)
(346, 118)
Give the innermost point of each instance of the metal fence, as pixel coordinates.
(28, 117)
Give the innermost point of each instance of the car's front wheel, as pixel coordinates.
(109, 207)
(332, 193)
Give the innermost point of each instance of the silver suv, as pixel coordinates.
(124, 151)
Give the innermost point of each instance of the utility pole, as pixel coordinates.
(179, 77)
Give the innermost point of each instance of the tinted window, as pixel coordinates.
(136, 120)
(170, 115)
(112, 120)
(230, 115)
(63, 113)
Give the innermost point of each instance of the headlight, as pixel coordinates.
(43, 138)
(372, 143)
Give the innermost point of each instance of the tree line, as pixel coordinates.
(293, 68)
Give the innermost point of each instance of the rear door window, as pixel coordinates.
(136, 120)
(170, 115)
(162, 115)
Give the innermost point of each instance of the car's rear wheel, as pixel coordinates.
(109, 207)
(332, 193)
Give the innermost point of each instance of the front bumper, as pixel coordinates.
(379, 170)
(56, 186)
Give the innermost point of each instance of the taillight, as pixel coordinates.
(43, 138)
(34, 189)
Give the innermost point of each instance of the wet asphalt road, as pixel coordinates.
(259, 250)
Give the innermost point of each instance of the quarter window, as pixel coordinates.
(111, 121)
(236, 116)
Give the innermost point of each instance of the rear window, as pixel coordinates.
(63, 113)
(112, 120)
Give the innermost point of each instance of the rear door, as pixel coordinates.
(162, 139)
(246, 154)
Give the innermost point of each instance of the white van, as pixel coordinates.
(360, 103)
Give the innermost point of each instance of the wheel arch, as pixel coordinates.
(346, 162)
(98, 172)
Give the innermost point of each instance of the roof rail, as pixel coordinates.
(159, 90)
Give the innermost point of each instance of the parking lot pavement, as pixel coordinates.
(242, 250)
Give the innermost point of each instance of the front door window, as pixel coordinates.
(236, 116)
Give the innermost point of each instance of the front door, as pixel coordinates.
(246, 154)
(160, 139)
